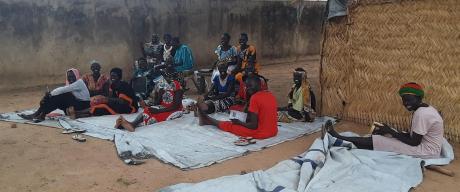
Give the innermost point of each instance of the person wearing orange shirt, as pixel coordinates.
(246, 57)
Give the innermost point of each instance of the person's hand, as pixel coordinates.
(383, 129)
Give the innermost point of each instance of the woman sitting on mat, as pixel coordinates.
(74, 96)
(301, 100)
(424, 139)
(221, 95)
(122, 99)
(168, 105)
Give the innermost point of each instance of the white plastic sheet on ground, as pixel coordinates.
(181, 142)
(329, 165)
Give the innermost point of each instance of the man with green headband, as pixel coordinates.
(424, 139)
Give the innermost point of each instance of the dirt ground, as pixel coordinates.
(41, 159)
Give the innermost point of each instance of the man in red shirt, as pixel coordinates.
(261, 120)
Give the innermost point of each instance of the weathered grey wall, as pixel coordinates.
(40, 39)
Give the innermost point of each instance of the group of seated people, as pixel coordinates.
(238, 86)
(171, 55)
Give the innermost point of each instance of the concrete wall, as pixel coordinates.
(40, 39)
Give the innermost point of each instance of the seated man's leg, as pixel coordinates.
(102, 109)
(220, 105)
(294, 113)
(360, 142)
(130, 126)
(203, 118)
(38, 112)
(111, 108)
(226, 125)
(237, 129)
(288, 115)
(62, 102)
(121, 108)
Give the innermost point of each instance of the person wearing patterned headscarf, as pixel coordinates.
(424, 139)
(74, 95)
(301, 105)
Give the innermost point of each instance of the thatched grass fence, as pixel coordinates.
(382, 44)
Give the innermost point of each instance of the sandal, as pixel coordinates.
(245, 141)
(37, 120)
(133, 162)
(78, 138)
(69, 131)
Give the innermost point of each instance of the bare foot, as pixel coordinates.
(201, 120)
(118, 122)
(127, 125)
(192, 107)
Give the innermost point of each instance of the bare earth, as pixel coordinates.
(38, 158)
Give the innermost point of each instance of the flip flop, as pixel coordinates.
(78, 138)
(133, 162)
(69, 131)
(36, 120)
(245, 141)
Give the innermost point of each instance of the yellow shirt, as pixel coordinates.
(297, 99)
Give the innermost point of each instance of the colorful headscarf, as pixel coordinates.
(75, 72)
(411, 89)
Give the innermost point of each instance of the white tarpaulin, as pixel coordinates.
(181, 142)
(329, 165)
